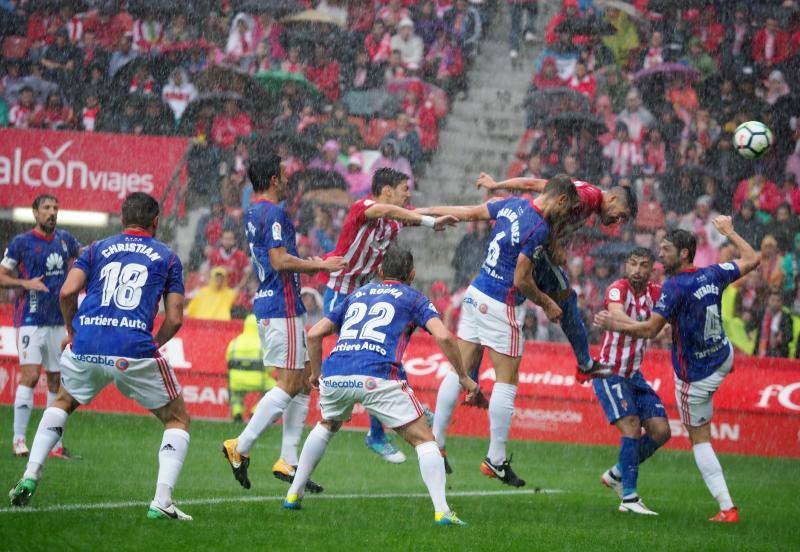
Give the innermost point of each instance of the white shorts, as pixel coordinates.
(40, 345)
(491, 323)
(283, 341)
(149, 381)
(391, 401)
(695, 404)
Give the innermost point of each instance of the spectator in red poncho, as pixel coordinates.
(229, 124)
(54, 115)
(570, 11)
(229, 256)
(392, 13)
(770, 44)
(548, 76)
(423, 114)
(360, 16)
(762, 192)
(110, 26)
(21, 113)
(790, 192)
(324, 72)
(583, 81)
(378, 43)
(710, 31)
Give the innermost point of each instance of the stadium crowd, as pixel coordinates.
(645, 97)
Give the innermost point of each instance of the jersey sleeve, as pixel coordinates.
(85, 259)
(726, 273)
(12, 255)
(423, 311)
(73, 246)
(358, 209)
(337, 314)
(495, 206)
(614, 294)
(668, 300)
(275, 229)
(533, 244)
(174, 276)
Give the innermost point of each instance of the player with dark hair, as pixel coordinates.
(279, 310)
(628, 401)
(374, 324)
(493, 309)
(109, 339)
(702, 356)
(371, 226)
(40, 258)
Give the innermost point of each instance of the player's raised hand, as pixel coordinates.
(332, 264)
(724, 225)
(486, 181)
(603, 320)
(35, 284)
(443, 222)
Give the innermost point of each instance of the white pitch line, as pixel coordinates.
(237, 499)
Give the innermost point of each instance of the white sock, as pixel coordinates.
(50, 430)
(268, 410)
(174, 446)
(431, 466)
(446, 401)
(23, 405)
(615, 472)
(294, 418)
(711, 471)
(501, 408)
(313, 450)
(51, 397)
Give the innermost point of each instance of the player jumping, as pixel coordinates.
(627, 399)
(493, 307)
(41, 259)
(109, 339)
(374, 324)
(371, 226)
(281, 316)
(701, 354)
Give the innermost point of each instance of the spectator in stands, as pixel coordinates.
(61, 60)
(122, 55)
(636, 116)
(762, 192)
(770, 44)
(790, 192)
(408, 44)
(228, 255)
(625, 41)
(21, 113)
(92, 52)
(155, 120)
(312, 301)
(737, 47)
(776, 87)
(148, 32)
(583, 81)
(521, 9)
(706, 254)
(54, 115)
(359, 183)
(613, 85)
(702, 132)
(390, 158)
(293, 63)
(407, 139)
(469, 254)
(683, 98)
(444, 64)
(698, 58)
(91, 111)
(229, 124)
(328, 159)
(771, 268)
(179, 30)
(394, 70)
(393, 13)
(783, 227)
(111, 25)
(325, 72)
(465, 25)
(700, 220)
(213, 301)
(655, 53)
(775, 328)
(570, 11)
(427, 22)
(361, 74)
(791, 271)
(752, 229)
(324, 233)
(378, 43)
(548, 77)
(178, 92)
(549, 147)
(624, 155)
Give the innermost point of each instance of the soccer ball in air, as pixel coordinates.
(752, 139)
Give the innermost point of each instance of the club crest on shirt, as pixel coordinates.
(614, 294)
(276, 230)
(122, 364)
(64, 246)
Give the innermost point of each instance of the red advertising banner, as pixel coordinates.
(87, 171)
(757, 409)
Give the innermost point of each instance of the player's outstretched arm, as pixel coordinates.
(617, 321)
(316, 334)
(447, 344)
(750, 258)
(7, 280)
(461, 212)
(409, 218)
(68, 298)
(173, 318)
(282, 261)
(519, 184)
(523, 281)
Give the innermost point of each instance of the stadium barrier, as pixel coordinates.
(757, 408)
(88, 171)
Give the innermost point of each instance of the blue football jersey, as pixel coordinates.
(690, 301)
(375, 323)
(278, 294)
(33, 254)
(126, 276)
(519, 228)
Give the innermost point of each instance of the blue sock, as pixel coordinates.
(572, 324)
(629, 465)
(647, 446)
(376, 431)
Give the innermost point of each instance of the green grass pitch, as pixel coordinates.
(100, 502)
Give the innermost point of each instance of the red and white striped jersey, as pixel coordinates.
(623, 352)
(591, 201)
(362, 243)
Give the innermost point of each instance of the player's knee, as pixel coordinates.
(53, 381)
(331, 425)
(661, 434)
(29, 375)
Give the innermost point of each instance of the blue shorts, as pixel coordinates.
(621, 397)
(331, 300)
(549, 277)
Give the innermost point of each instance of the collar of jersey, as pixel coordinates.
(686, 270)
(536, 207)
(391, 282)
(44, 237)
(133, 232)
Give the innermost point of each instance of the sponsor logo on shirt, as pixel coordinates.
(122, 364)
(54, 264)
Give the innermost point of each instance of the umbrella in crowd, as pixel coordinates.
(274, 82)
(276, 8)
(624, 7)
(213, 99)
(589, 26)
(369, 103)
(298, 145)
(551, 101)
(138, 8)
(666, 71)
(227, 78)
(311, 18)
(571, 123)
